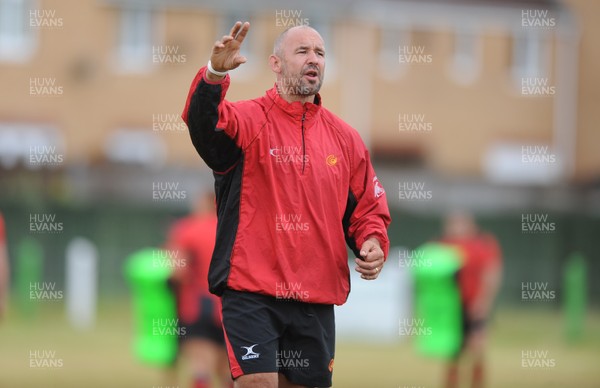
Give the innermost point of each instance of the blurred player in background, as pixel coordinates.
(192, 240)
(4, 269)
(479, 280)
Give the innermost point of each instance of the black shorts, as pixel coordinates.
(469, 326)
(266, 335)
(206, 326)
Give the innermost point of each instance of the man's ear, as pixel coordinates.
(275, 63)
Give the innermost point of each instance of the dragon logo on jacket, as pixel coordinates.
(331, 160)
(379, 191)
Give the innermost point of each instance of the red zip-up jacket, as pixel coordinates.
(294, 184)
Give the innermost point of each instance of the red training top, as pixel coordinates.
(294, 183)
(479, 253)
(191, 242)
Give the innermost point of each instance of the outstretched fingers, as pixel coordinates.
(242, 31)
(235, 29)
(226, 51)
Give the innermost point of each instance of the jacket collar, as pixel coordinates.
(295, 109)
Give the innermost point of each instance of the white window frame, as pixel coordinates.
(17, 39)
(17, 138)
(465, 65)
(138, 33)
(136, 146)
(391, 39)
(530, 54)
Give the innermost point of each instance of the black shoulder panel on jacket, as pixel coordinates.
(216, 148)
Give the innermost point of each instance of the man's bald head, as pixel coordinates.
(298, 60)
(280, 40)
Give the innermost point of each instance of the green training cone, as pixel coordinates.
(28, 273)
(437, 300)
(574, 296)
(154, 306)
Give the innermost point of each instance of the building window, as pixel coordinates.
(32, 145)
(392, 45)
(466, 61)
(507, 162)
(136, 147)
(17, 39)
(137, 32)
(530, 54)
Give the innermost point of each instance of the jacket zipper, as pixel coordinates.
(303, 144)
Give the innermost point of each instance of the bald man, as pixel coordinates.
(294, 184)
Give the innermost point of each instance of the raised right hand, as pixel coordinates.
(226, 52)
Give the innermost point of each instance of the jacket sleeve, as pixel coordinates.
(213, 123)
(367, 214)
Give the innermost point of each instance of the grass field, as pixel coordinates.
(102, 357)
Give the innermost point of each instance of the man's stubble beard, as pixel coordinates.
(296, 85)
